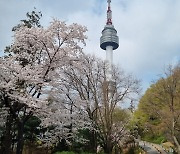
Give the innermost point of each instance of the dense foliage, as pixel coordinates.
(158, 114)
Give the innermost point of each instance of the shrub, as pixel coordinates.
(65, 152)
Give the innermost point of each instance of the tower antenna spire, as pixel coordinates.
(109, 13)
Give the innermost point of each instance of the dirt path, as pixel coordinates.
(151, 148)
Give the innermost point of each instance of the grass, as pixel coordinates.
(155, 139)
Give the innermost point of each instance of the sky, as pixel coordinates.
(148, 30)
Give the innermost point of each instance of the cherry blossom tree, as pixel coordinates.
(65, 120)
(86, 82)
(28, 74)
(47, 75)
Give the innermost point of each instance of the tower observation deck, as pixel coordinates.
(109, 40)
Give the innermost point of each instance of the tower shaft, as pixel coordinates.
(109, 59)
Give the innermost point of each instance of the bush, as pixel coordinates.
(65, 152)
(71, 152)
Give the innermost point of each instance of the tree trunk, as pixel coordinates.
(20, 139)
(7, 142)
(94, 141)
(108, 147)
(177, 144)
(173, 134)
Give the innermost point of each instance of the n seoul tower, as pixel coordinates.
(109, 41)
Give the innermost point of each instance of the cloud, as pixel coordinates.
(12, 11)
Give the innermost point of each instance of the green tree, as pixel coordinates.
(33, 20)
(159, 109)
